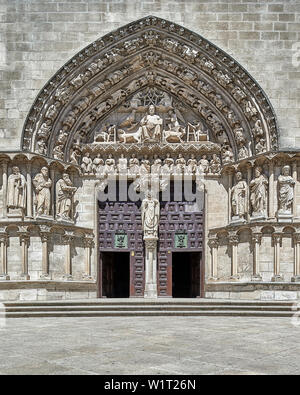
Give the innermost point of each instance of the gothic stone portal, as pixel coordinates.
(150, 102)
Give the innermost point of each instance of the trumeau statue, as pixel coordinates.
(42, 184)
(16, 190)
(64, 198)
(150, 216)
(286, 185)
(259, 193)
(240, 198)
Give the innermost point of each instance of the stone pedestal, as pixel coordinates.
(295, 279)
(277, 279)
(151, 268)
(284, 217)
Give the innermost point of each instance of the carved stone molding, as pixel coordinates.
(147, 53)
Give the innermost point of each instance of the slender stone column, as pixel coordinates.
(213, 244)
(3, 256)
(294, 169)
(29, 190)
(296, 277)
(45, 233)
(256, 240)
(271, 190)
(4, 187)
(233, 242)
(24, 242)
(88, 245)
(67, 240)
(150, 264)
(230, 181)
(277, 238)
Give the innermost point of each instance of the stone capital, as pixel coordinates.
(213, 242)
(89, 241)
(233, 239)
(151, 243)
(296, 238)
(256, 237)
(68, 237)
(277, 237)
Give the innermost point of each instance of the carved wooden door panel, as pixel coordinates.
(120, 229)
(180, 229)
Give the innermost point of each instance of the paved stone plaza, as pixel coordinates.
(150, 346)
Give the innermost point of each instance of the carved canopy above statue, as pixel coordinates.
(102, 96)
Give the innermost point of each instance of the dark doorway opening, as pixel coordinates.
(115, 274)
(186, 274)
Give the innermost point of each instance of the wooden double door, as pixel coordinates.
(180, 267)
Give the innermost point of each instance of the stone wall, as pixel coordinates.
(38, 36)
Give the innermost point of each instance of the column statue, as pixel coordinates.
(240, 198)
(42, 184)
(286, 185)
(16, 190)
(259, 193)
(64, 197)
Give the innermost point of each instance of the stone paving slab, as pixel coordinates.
(156, 346)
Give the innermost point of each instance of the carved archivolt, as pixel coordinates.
(151, 62)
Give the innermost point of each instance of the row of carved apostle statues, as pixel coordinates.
(135, 166)
(17, 194)
(252, 198)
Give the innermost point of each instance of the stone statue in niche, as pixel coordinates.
(168, 166)
(150, 216)
(227, 155)
(240, 199)
(145, 167)
(215, 164)
(110, 165)
(155, 168)
(286, 185)
(98, 165)
(87, 164)
(191, 165)
(41, 146)
(180, 164)
(134, 165)
(151, 125)
(16, 191)
(203, 165)
(64, 198)
(196, 132)
(259, 193)
(42, 184)
(122, 165)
